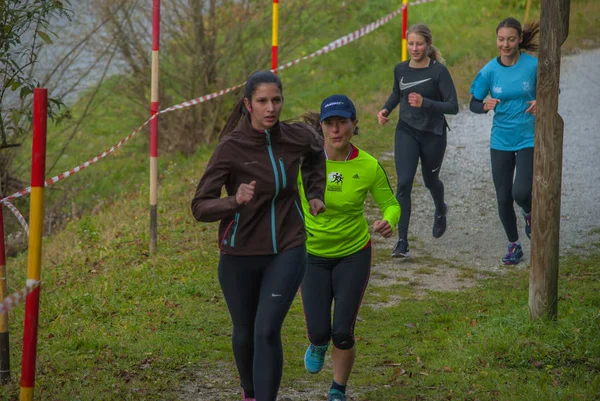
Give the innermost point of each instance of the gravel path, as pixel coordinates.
(475, 238)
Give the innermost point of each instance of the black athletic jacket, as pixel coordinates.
(435, 84)
(272, 221)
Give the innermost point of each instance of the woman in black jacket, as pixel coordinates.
(424, 89)
(262, 234)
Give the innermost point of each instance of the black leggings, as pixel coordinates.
(410, 145)
(507, 191)
(259, 291)
(343, 279)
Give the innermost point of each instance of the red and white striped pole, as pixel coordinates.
(36, 225)
(275, 36)
(4, 343)
(404, 29)
(154, 125)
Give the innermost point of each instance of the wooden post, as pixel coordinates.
(154, 126)
(4, 343)
(34, 257)
(547, 163)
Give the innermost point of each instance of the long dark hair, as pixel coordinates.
(423, 30)
(239, 110)
(529, 32)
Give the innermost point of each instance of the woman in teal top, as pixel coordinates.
(339, 244)
(511, 80)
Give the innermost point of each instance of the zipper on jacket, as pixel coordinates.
(237, 223)
(283, 177)
(299, 211)
(270, 149)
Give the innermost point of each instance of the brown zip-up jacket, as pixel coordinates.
(272, 221)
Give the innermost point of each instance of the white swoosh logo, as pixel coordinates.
(407, 85)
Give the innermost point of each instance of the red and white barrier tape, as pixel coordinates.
(66, 174)
(18, 215)
(351, 37)
(11, 301)
(336, 44)
(201, 99)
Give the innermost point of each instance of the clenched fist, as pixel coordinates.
(316, 206)
(245, 193)
(383, 227)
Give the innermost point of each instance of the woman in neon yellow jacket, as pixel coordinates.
(338, 241)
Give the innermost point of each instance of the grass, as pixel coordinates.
(118, 324)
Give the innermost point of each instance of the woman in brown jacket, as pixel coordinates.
(262, 234)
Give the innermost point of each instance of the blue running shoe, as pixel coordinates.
(314, 358)
(513, 254)
(336, 395)
(527, 217)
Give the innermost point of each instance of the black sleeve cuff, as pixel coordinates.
(476, 106)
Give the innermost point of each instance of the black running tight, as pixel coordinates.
(259, 291)
(512, 186)
(410, 146)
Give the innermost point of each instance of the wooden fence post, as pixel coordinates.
(547, 163)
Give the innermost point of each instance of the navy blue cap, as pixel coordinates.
(337, 105)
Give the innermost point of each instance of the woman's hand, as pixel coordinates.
(415, 100)
(245, 193)
(316, 206)
(490, 104)
(532, 107)
(382, 117)
(383, 228)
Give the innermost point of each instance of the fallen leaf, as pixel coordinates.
(473, 322)
(447, 369)
(535, 364)
(398, 372)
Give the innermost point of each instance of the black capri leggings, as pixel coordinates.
(504, 164)
(410, 145)
(259, 291)
(343, 279)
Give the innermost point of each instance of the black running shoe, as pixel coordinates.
(439, 223)
(401, 249)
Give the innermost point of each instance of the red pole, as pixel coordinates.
(4, 343)
(154, 126)
(36, 220)
(275, 36)
(404, 29)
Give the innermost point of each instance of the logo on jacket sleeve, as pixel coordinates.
(335, 181)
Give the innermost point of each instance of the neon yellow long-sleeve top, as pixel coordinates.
(343, 229)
